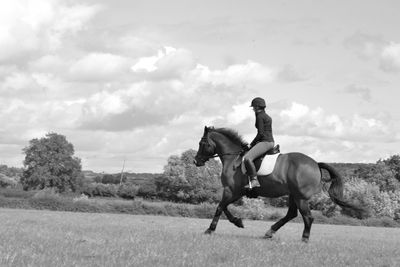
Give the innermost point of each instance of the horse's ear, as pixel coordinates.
(205, 129)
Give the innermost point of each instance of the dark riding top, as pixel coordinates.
(264, 128)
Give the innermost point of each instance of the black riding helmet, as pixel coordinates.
(258, 102)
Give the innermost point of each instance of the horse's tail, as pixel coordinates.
(335, 191)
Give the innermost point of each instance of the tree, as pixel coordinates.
(49, 163)
(184, 182)
(379, 174)
(394, 164)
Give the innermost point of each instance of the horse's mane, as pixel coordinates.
(232, 135)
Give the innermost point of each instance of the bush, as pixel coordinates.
(100, 190)
(128, 191)
(6, 181)
(254, 208)
(16, 193)
(379, 203)
(82, 197)
(380, 222)
(279, 201)
(46, 193)
(148, 191)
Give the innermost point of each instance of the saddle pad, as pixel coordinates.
(267, 165)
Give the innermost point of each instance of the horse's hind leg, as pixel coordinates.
(291, 214)
(304, 209)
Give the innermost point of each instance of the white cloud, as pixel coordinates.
(241, 112)
(104, 103)
(296, 111)
(154, 101)
(289, 74)
(31, 28)
(98, 67)
(365, 46)
(169, 63)
(122, 91)
(21, 85)
(17, 81)
(52, 63)
(299, 120)
(148, 63)
(390, 58)
(235, 75)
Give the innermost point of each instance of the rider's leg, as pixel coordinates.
(256, 151)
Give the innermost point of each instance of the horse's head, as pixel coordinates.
(206, 149)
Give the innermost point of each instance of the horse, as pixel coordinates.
(294, 174)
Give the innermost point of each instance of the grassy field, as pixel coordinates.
(49, 238)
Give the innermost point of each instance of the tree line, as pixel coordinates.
(50, 163)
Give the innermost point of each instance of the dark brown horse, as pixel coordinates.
(294, 174)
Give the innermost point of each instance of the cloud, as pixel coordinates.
(329, 150)
(99, 67)
(51, 63)
(235, 75)
(368, 46)
(29, 29)
(121, 91)
(300, 120)
(390, 58)
(17, 81)
(289, 74)
(365, 46)
(363, 92)
(168, 63)
(240, 113)
(152, 100)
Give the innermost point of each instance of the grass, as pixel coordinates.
(255, 209)
(51, 238)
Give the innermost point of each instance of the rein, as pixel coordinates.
(228, 154)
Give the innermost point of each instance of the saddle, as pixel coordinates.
(257, 161)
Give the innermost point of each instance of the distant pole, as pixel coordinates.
(122, 172)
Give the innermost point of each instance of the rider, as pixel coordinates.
(263, 141)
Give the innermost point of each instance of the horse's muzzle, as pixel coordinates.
(198, 163)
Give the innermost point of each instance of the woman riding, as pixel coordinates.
(263, 141)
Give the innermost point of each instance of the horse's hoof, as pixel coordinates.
(305, 239)
(269, 234)
(239, 223)
(209, 232)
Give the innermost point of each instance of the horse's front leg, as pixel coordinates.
(222, 206)
(214, 222)
(235, 220)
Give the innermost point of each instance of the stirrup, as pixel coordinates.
(250, 184)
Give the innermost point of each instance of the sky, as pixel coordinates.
(137, 81)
